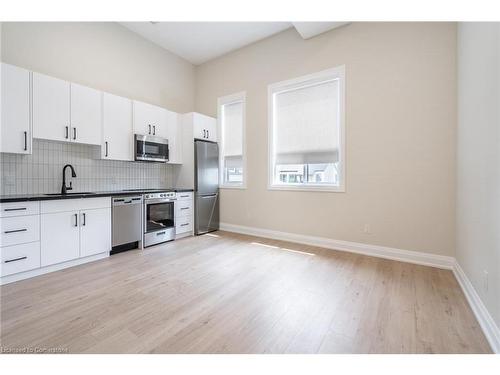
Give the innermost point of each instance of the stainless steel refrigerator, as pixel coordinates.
(206, 186)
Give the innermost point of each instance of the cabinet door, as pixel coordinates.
(51, 104)
(85, 115)
(174, 136)
(210, 124)
(163, 119)
(15, 124)
(118, 135)
(95, 231)
(199, 131)
(204, 127)
(59, 236)
(147, 118)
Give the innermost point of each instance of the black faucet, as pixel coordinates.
(65, 188)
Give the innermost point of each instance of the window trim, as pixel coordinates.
(291, 84)
(224, 100)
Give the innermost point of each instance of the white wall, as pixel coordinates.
(106, 56)
(478, 159)
(400, 133)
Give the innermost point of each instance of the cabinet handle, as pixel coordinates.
(183, 225)
(15, 230)
(15, 260)
(67, 132)
(149, 128)
(25, 141)
(154, 129)
(204, 133)
(76, 220)
(15, 209)
(208, 134)
(184, 208)
(184, 196)
(84, 219)
(106, 149)
(74, 133)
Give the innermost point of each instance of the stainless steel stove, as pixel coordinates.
(159, 213)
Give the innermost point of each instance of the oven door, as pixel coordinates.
(158, 216)
(150, 148)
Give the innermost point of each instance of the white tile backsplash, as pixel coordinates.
(41, 172)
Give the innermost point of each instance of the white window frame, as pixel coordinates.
(229, 99)
(337, 73)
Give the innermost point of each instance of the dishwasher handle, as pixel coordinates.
(127, 200)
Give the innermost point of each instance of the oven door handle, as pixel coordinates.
(160, 200)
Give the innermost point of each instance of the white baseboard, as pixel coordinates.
(484, 318)
(426, 259)
(488, 325)
(55, 267)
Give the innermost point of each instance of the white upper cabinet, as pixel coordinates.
(174, 136)
(16, 124)
(35, 105)
(51, 108)
(149, 119)
(160, 122)
(86, 107)
(204, 127)
(117, 130)
(64, 111)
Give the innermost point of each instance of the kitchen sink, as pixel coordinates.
(76, 193)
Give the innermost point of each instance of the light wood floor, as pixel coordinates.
(230, 293)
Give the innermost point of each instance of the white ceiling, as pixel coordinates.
(199, 42)
(309, 29)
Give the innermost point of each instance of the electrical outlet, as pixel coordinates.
(367, 229)
(485, 281)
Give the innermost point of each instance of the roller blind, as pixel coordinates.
(232, 123)
(306, 124)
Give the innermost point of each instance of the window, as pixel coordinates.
(306, 132)
(231, 115)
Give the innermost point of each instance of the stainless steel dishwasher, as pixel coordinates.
(127, 223)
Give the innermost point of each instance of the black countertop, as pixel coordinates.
(76, 195)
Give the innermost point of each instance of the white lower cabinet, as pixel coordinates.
(19, 237)
(47, 234)
(60, 235)
(74, 228)
(19, 229)
(184, 214)
(19, 258)
(183, 225)
(95, 231)
(184, 208)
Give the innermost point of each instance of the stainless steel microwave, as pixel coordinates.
(150, 148)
